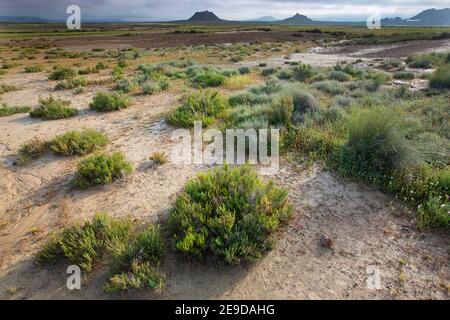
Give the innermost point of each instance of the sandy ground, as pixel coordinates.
(367, 227)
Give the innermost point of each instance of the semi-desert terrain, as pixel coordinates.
(343, 220)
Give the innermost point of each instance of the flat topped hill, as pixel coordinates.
(204, 16)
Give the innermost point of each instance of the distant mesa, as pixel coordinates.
(298, 19)
(429, 17)
(204, 16)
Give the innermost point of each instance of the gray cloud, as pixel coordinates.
(229, 9)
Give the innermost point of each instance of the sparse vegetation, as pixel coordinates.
(62, 73)
(33, 68)
(159, 158)
(31, 150)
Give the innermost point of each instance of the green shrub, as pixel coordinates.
(330, 87)
(440, 79)
(78, 142)
(244, 70)
(31, 150)
(203, 106)
(405, 75)
(208, 78)
(71, 83)
(104, 101)
(33, 68)
(101, 169)
(271, 86)
(123, 85)
(7, 88)
(339, 76)
(247, 98)
(6, 110)
(303, 103)
(61, 73)
(282, 110)
(53, 108)
(135, 266)
(150, 87)
(85, 243)
(229, 213)
(375, 144)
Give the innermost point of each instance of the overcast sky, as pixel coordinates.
(225, 9)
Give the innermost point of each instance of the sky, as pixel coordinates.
(164, 10)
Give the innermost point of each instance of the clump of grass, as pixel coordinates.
(71, 83)
(6, 110)
(84, 244)
(136, 265)
(208, 78)
(75, 142)
(229, 213)
(339, 76)
(154, 86)
(440, 79)
(123, 85)
(238, 82)
(159, 158)
(375, 144)
(53, 108)
(247, 98)
(7, 88)
(31, 150)
(101, 169)
(104, 101)
(203, 106)
(329, 87)
(404, 75)
(62, 73)
(33, 68)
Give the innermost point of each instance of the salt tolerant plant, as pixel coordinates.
(101, 169)
(104, 101)
(228, 213)
(75, 142)
(53, 108)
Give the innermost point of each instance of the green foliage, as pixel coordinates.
(53, 108)
(405, 75)
(248, 98)
(440, 79)
(61, 73)
(6, 110)
(330, 87)
(376, 144)
(133, 267)
(7, 88)
(104, 101)
(208, 78)
(123, 85)
(85, 243)
(101, 169)
(33, 68)
(339, 76)
(229, 213)
(75, 142)
(32, 150)
(281, 112)
(244, 70)
(202, 106)
(71, 83)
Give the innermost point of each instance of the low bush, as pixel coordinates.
(159, 158)
(329, 87)
(404, 75)
(244, 70)
(31, 150)
(375, 144)
(75, 142)
(208, 78)
(33, 68)
(101, 169)
(440, 79)
(238, 82)
(104, 101)
(7, 88)
(53, 108)
(62, 73)
(71, 83)
(339, 76)
(229, 213)
(6, 110)
(203, 106)
(136, 265)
